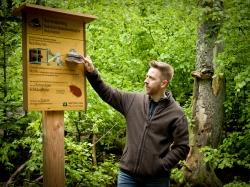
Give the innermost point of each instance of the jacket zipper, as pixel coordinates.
(138, 161)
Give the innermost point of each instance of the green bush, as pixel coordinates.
(234, 151)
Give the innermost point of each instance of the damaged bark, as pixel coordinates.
(208, 98)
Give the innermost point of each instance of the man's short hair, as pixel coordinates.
(166, 69)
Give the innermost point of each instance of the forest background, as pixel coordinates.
(121, 42)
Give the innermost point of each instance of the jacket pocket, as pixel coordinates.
(128, 160)
(151, 165)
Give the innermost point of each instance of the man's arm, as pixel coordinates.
(117, 99)
(180, 148)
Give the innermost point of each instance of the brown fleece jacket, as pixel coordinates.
(154, 144)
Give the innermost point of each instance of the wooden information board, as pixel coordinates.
(50, 82)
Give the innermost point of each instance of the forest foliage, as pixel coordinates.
(122, 40)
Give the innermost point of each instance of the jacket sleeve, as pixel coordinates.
(180, 147)
(117, 99)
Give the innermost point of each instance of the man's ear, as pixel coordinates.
(164, 83)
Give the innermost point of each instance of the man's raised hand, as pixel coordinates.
(88, 65)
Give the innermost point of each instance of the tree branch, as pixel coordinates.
(39, 178)
(19, 169)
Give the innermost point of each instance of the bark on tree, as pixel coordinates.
(94, 157)
(208, 98)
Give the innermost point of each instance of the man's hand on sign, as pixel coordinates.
(89, 66)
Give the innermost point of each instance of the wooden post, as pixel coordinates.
(53, 149)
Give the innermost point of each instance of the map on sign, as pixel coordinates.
(53, 82)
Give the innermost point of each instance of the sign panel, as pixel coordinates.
(52, 82)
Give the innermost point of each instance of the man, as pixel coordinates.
(157, 129)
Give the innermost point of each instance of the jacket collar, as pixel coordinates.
(167, 97)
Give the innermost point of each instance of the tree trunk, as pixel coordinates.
(5, 91)
(208, 98)
(94, 158)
